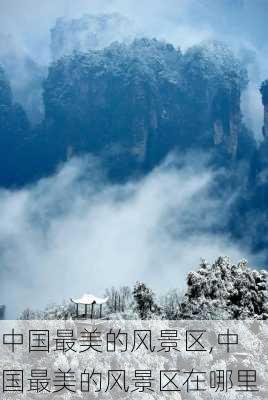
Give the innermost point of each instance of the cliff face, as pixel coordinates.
(132, 104)
(116, 102)
(14, 129)
(251, 207)
(215, 78)
(5, 91)
(264, 93)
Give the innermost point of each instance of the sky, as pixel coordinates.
(182, 21)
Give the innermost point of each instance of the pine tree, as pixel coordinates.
(225, 291)
(144, 299)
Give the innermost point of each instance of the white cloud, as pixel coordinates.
(73, 233)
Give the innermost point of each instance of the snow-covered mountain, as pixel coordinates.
(134, 103)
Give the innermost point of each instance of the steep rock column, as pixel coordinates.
(218, 132)
(217, 118)
(264, 93)
(226, 116)
(234, 129)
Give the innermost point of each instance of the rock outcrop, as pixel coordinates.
(120, 102)
(252, 213)
(14, 130)
(134, 103)
(215, 80)
(264, 93)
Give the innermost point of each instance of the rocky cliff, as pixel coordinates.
(264, 93)
(134, 103)
(215, 80)
(250, 217)
(14, 130)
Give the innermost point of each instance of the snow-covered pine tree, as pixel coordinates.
(225, 291)
(144, 299)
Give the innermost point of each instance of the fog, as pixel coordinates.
(74, 233)
(184, 22)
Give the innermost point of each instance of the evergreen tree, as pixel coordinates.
(225, 291)
(144, 299)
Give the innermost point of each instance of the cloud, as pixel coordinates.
(182, 22)
(74, 233)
